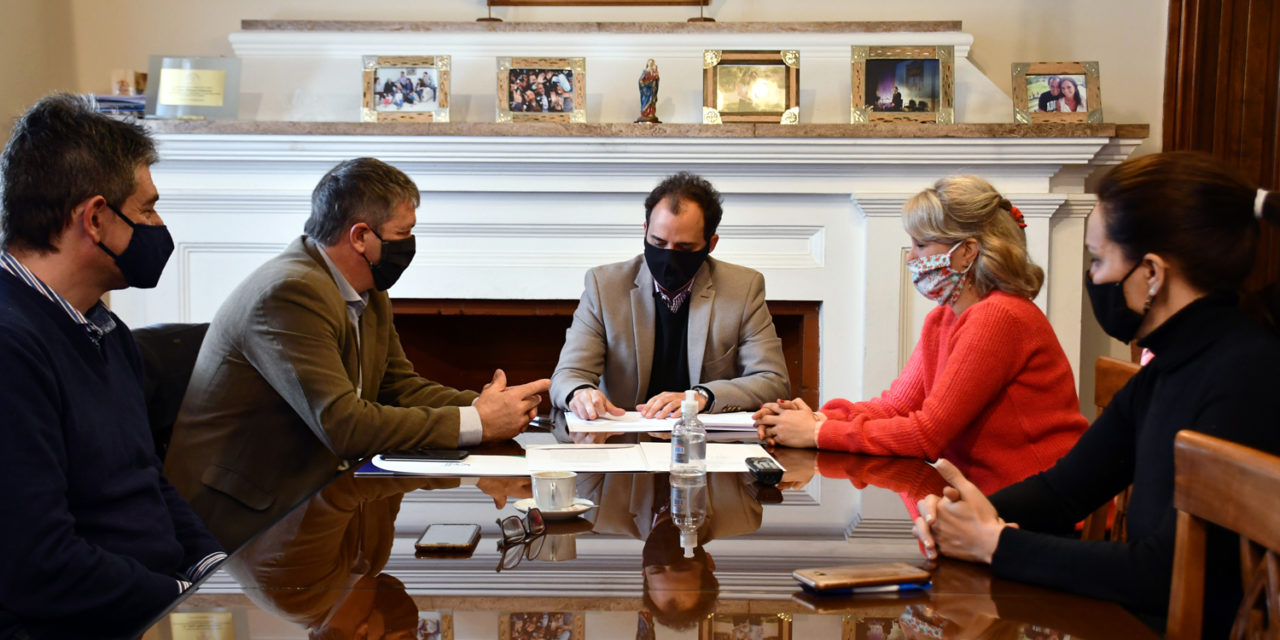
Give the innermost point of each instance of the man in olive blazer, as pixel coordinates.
(302, 371)
(614, 357)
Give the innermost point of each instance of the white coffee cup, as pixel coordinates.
(559, 547)
(554, 490)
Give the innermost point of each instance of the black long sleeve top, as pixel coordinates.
(1215, 371)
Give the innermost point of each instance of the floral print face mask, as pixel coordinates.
(935, 279)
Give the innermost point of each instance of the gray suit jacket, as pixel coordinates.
(272, 410)
(733, 348)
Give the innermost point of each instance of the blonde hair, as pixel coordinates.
(963, 207)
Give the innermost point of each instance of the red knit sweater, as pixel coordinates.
(990, 390)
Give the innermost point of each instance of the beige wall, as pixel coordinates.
(40, 55)
(74, 44)
(1127, 38)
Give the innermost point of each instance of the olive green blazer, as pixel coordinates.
(272, 410)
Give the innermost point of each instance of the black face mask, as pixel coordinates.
(1111, 310)
(396, 256)
(673, 269)
(143, 259)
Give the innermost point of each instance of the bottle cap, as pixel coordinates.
(689, 406)
(689, 540)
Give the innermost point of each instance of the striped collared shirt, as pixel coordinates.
(97, 323)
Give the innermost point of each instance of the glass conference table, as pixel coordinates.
(343, 563)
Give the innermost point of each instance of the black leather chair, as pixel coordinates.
(168, 355)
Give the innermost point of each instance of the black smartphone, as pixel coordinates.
(448, 540)
(427, 454)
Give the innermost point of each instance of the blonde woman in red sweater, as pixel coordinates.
(988, 386)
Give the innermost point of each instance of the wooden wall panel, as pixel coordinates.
(1222, 95)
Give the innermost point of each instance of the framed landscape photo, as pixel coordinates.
(724, 626)
(1056, 92)
(751, 86)
(903, 84)
(542, 90)
(406, 88)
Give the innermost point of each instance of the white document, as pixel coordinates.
(629, 422)
(633, 422)
(736, 421)
(586, 457)
(469, 466)
(646, 456)
(721, 456)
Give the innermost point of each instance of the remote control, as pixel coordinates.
(765, 470)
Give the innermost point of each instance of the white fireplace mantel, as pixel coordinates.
(524, 216)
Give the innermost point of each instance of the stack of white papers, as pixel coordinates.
(652, 457)
(633, 422)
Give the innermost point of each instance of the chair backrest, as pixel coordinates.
(168, 356)
(1235, 487)
(1109, 376)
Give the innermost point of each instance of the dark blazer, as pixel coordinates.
(272, 412)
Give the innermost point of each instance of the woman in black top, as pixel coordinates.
(1173, 237)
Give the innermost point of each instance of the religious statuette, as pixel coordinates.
(649, 93)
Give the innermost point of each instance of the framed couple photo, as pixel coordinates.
(902, 84)
(1056, 92)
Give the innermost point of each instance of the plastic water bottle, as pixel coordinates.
(689, 441)
(688, 508)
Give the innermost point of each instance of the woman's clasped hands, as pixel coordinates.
(790, 423)
(961, 523)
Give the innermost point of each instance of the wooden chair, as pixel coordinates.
(1238, 488)
(1110, 374)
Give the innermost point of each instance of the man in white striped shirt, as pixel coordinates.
(94, 541)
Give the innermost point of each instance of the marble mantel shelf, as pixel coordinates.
(628, 130)
(936, 26)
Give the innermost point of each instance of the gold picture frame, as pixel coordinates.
(424, 99)
(527, 625)
(1034, 99)
(435, 625)
(751, 86)
(902, 84)
(726, 626)
(553, 90)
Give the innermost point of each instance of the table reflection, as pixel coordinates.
(700, 560)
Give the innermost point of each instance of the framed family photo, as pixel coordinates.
(1056, 92)
(406, 88)
(751, 86)
(903, 84)
(542, 90)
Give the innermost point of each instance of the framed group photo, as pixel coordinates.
(537, 625)
(751, 86)
(406, 88)
(1056, 92)
(902, 84)
(542, 90)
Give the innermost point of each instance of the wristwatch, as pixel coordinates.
(706, 395)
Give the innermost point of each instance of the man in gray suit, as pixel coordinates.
(302, 370)
(671, 319)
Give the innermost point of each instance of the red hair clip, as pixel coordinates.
(1017, 216)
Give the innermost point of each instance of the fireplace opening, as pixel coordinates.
(460, 342)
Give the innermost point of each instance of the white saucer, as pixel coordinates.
(580, 506)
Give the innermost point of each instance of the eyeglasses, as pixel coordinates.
(521, 538)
